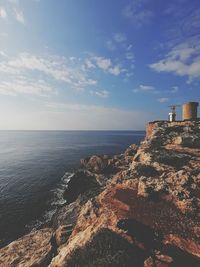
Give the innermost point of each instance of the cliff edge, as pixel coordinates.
(140, 208)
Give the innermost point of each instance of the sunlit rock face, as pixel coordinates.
(34, 249)
(158, 189)
(140, 208)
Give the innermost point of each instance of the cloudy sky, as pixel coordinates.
(96, 64)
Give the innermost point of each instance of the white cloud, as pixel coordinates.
(182, 60)
(137, 13)
(163, 99)
(19, 16)
(103, 63)
(119, 42)
(116, 70)
(106, 65)
(89, 64)
(58, 68)
(23, 85)
(3, 13)
(102, 93)
(145, 88)
(75, 72)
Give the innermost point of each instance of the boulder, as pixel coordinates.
(100, 164)
(81, 183)
(96, 164)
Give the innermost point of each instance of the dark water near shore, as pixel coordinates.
(35, 166)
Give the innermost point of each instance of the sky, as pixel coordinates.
(96, 64)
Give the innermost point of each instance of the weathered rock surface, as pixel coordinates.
(34, 249)
(110, 165)
(140, 208)
(157, 187)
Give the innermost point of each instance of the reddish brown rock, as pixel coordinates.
(155, 188)
(158, 187)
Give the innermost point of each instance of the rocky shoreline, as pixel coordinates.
(139, 208)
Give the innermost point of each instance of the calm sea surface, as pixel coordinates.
(34, 169)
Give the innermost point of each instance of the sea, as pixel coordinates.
(35, 167)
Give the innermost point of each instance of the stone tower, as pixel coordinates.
(189, 111)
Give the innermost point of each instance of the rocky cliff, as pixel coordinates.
(140, 208)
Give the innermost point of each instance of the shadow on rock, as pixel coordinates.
(107, 249)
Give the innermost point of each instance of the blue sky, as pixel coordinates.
(96, 64)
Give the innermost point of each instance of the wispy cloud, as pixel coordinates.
(181, 50)
(3, 13)
(183, 19)
(104, 64)
(100, 93)
(182, 60)
(137, 13)
(119, 37)
(19, 16)
(89, 64)
(119, 42)
(23, 85)
(145, 89)
(116, 70)
(15, 11)
(163, 99)
(75, 72)
(58, 68)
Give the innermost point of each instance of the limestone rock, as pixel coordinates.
(67, 214)
(34, 249)
(95, 163)
(156, 185)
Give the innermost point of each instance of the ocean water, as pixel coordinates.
(35, 167)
